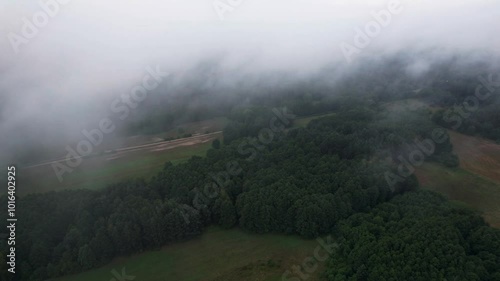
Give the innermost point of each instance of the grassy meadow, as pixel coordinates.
(218, 255)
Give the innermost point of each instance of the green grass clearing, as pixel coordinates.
(218, 255)
(100, 171)
(475, 191)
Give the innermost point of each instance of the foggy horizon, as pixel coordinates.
(89, 53)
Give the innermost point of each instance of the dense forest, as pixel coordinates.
(416, 236)
(297, 180)
(271, 176)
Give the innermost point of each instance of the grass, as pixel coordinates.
(141, 167)
(100, 171)
(218, 255)
(476, 183)
(477, 155)
(477, 192)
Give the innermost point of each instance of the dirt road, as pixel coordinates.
(157, 146)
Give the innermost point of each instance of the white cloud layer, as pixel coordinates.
(89, 51)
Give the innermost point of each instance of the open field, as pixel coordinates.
(98, 171)
(476, 183)
(218, 255)
(477, 192)
(477, 155)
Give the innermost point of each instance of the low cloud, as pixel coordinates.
(89, 52)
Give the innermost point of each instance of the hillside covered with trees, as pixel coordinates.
(269, 176)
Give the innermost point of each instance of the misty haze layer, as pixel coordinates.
(66, 76)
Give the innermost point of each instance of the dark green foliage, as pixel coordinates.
(247, 122)
(484, 122)
(416, 236)
(71, 231)
(216, 144)
(300, 181)
(303, 182)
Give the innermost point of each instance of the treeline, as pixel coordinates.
(484, 121)
(416, 236)
(293, 180)
(466, 100)
(66, 232)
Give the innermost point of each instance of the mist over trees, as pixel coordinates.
(344, 169)
(307, 181)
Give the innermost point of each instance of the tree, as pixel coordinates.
(216, 144)
(86, 257)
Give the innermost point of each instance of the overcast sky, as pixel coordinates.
(92, 50)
